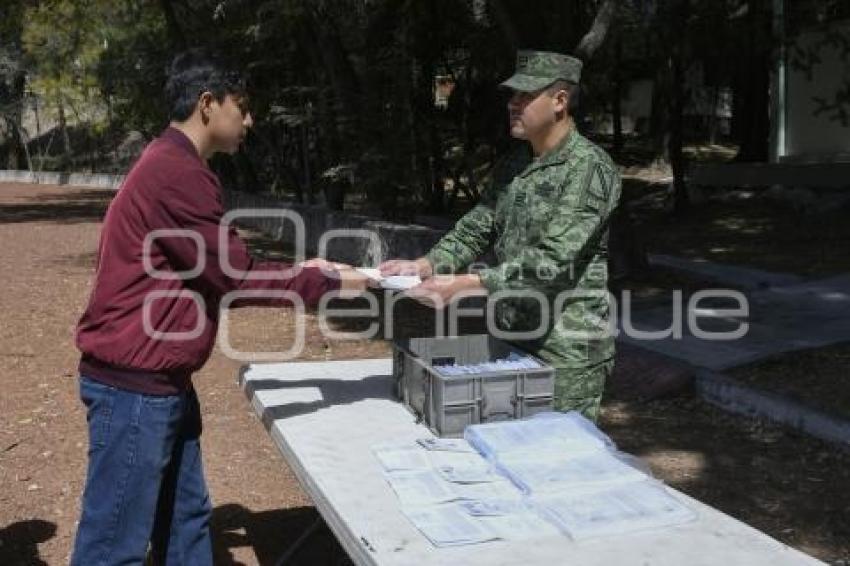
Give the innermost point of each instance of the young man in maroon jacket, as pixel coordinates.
(165, 265)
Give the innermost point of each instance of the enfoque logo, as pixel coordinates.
(697, 315)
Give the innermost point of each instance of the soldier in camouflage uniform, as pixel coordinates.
(546, 215)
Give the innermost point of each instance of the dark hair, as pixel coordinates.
(573, 89)
(194, 72)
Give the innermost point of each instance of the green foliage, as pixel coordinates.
(349, 85)
(62, 42)
(131, 68)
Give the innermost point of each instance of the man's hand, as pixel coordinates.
(352, 282)
(421, 267)
(328, 267)
(440, 290)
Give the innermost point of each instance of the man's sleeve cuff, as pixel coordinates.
(492, 279)
(440, 259)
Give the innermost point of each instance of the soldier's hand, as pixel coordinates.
(440, 290)
(421, 267)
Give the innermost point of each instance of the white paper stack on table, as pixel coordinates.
(572, 475)
(513, 361)
(393, 282)
(518, 480)
(454, 496)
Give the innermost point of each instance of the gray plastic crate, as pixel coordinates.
(449, 403)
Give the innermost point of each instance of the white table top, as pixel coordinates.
(325, 417)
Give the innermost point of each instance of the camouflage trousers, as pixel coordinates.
(580, 388)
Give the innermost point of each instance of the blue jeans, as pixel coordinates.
(145, 480)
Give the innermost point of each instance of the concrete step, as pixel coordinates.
(730, 395)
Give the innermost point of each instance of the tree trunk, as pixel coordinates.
(325, 43)
(334, 59)
(63, 130)
(328, 107)
(175, 32)
(307, 180)
(38, 144)
(626, 250)
(595, 37)
(713, 122)
(328, 126)
(659, 113)
(247, 172)
(505, 23)
(679, 18)
(681, 201)
(425, 99)
(752, 92)
(16, 144)
(616, 101)
(754, 127)
(12, 93)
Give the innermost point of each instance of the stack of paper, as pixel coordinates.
(457, 523)
(552, 473)
(545, 433)
(615, 510)
(414, 457)
(513, 361)
(574, 477)
(448, 525)
(445, 444)
(393, 282)
(422, 476)
(454, 496)
(429, 487)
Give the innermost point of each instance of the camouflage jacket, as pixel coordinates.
(547, 221)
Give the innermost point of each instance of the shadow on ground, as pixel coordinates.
(19, 542)
(86, 260)
(332, 393)
(273, 533)
(71, 207)
(782, 482)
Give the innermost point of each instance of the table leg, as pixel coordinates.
(299, 541)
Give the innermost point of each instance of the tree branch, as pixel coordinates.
(595, 37)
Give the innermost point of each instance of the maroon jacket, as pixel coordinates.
(170, 187)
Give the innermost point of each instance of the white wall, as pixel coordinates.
(807, 135)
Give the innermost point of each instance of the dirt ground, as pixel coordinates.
(792, 487)
(816, 377)
(744, 228)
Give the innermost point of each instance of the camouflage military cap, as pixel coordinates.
(538, 69)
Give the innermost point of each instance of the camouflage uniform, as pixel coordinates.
(547, 220)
